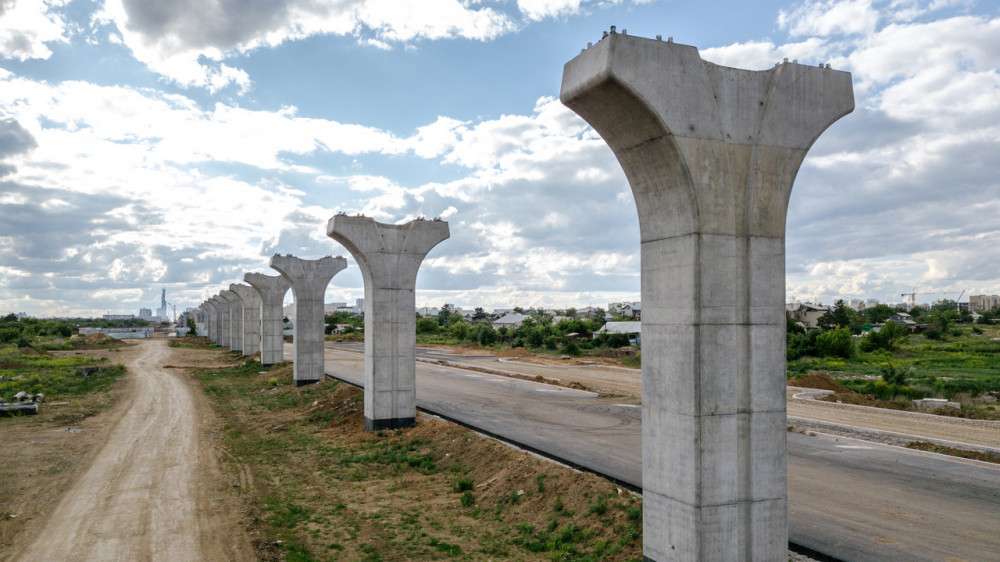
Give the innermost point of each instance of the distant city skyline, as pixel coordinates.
(144, 147)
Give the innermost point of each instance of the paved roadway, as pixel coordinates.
(848, 499)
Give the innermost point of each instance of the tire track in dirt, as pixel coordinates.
(139, 499)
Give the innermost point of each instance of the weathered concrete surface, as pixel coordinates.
(251, 317)
(309, 279)
(234, 313)
(271, 290)
(210, 319)
(222, 321)
(711, 154)
(389, 257)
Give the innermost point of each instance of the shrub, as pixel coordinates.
(460, 330)
(892, 375)
(427, 326)
(462, 485)
(835, 343)
(570, 348)
(888, 338)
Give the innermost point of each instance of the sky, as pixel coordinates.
(177, 144)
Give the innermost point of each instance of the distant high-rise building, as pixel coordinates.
(162, 311)
(980, 303)
(145, 313)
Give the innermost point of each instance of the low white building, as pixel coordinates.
(631, 329)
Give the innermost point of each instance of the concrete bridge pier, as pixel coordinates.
(271, 290)
(234, 310)
(389, 257)
(309, 279)
(222, 315)
(711, 153)
(209, 308)
(251, 317)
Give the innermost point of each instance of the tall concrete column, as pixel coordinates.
(271, 290)
(234, 314)
(222, 315)
(389, 257)
(251, 317)
(208, 312)
(213, 320)
(711, 154)
(309, 279)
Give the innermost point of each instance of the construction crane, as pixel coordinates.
(174, 307)
(913, 297)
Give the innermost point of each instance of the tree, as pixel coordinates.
(942, 319)
(444, 315)
(571, 312)
(841, 316)
(835, 343)
(878, 313)
(192, 326)
(485, 334)
(518, 310)
(946, 305)
(460, 330)
(479, 315)
(888, 338)
(427, 326)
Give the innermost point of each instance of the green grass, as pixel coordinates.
(965, 366)
(56, 377)
(305, 484)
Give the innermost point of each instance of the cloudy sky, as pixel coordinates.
(179, 143)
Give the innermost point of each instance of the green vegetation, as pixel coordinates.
(56, 377)
(317, 487)
(952, 359)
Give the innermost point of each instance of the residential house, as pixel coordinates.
(510, 321)
(807, 315)
(903, 319)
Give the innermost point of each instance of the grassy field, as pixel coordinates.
(317, 487)
(58, 378)
(965, 366)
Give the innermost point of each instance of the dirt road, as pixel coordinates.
(153, 491)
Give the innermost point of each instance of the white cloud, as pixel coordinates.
(27, 25)
(830, 17)
(187, 42)
(542, 9)
(761, 55)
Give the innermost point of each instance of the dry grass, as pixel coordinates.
(317, 487)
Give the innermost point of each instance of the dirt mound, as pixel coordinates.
(32, 352)
(97, 338)
(617, 353)
(514, 352)
(821, 381)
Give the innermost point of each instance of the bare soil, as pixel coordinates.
(138, 481)
(317, 483)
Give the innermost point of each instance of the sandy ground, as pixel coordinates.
(154, 490)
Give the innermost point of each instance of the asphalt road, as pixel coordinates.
(852, 500)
